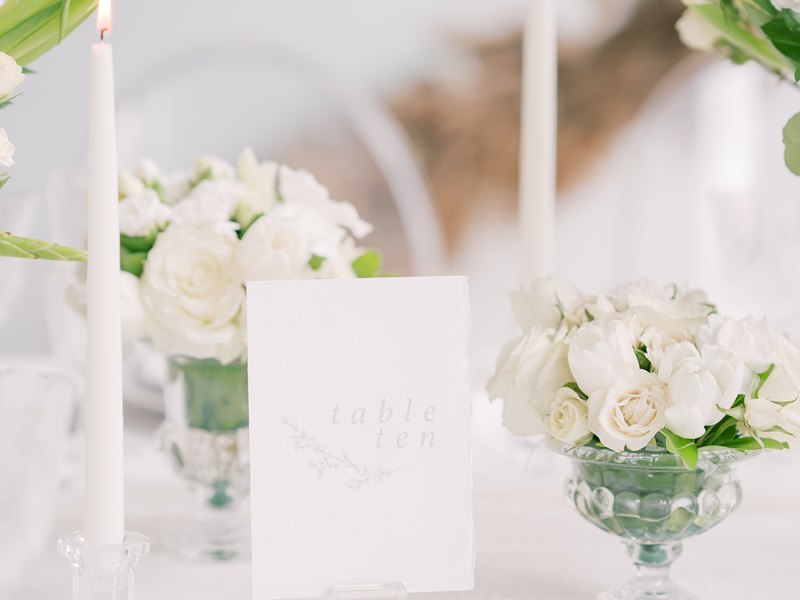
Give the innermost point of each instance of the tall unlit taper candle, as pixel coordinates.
(537, 177)
(104, 494)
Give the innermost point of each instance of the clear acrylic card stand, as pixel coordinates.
(390, 590)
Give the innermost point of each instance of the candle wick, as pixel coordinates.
(103, 34)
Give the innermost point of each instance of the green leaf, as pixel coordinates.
(783, 36)
(132, 262)
(64, 21)
(368, 264)
(574, 387)
(641, 356)
(138, 243)
(762, 379)
(20, 247)
(753, 443)
(684, 448)
(791, 144)
(315, 262)
(589, 316)
(4, 177)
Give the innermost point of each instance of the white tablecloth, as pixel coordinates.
(530, 543)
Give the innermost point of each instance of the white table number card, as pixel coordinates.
(359, 435)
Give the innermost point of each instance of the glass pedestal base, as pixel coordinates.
(103, 572)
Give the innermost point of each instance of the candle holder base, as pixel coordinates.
(103, 572)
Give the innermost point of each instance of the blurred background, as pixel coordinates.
(670, 162)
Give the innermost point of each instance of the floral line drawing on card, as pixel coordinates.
(323, 460)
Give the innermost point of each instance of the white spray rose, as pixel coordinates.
(630, 412)
(530, 370)
(568, 419)
(192, 291)
(11, 76)
(696, 33)
(271, 250)
(747, 338)
(132, 311)
(543, 302)
(696, 386)
(6, 150)
(599, 353)
(210, 204)
(142, 214)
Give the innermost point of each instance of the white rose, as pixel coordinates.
(599, 353)
(6, 150)
(132, 311)
(210, 204)
(212, 167)
(544, 302)
(11, 76)
(568, 419)
(695, 32)
(630, 412)
(696, 386)
(130, 185)
(193, 293)
(271, 250)
(655, 302)
(530, 370)
(143, 214)
(747, 338)
(790, 4)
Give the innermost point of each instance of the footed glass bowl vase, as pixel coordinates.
(652, 502)
(205, 434)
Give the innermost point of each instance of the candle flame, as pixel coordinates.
(103, 16)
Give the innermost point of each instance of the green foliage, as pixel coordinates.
(782, 32)
(132, 262)
(641, 357)
(791, 144)
(20, 247)
(684, 448)
(368, 264)
(574, 387)
(315, 262)
(4, 177)
(138, 243)
(762, 379)
(29, 28)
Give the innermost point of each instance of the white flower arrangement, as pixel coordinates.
(191, 240)
(645, 365)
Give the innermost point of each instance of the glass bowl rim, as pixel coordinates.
(650, 458)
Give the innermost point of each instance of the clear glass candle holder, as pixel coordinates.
(103, 572)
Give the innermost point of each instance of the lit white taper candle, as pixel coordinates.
(537, 166)
(104, 495)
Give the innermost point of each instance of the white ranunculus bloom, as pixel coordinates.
(192, 291)
(696, 386)
(630, 412)
(130, 185)
(568, 419)
(212, 167)
(530, 370)
(747, 338)
(210, 204)
(544, 302)
(271, 250)
(6, 150)
(695, 32)
(11, 76)
(142, 214)
(599, 353)
(132, 311)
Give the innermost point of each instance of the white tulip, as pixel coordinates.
(765, 416)
(192, 291)
(544, 302)
(6, 150)
(630, 412)
(271, 250)
(143, 214)
(599, 353)
(530, 370)
(697, 386)
(568, 419)
(11, 76)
